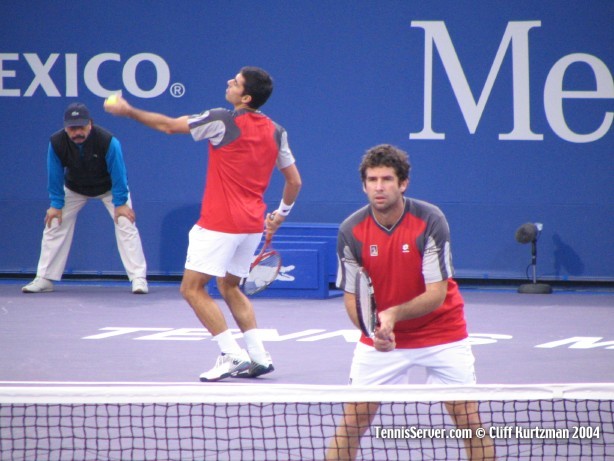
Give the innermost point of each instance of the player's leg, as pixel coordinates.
(207, 257)
(466, 416)
(243, 248)
(239, 304)
(357, 418)
(232, 358)
(129, 246)
(369, 367)
(454, 364)
(241, 307)
(204, 306)
(243, 313)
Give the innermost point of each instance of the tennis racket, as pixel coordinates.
(365, 303)
(263, 270)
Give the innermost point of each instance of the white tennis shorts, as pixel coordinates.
(217, 253)
(451, 363)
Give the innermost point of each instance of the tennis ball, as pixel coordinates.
(111, 100)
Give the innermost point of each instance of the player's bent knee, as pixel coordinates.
(229, 286)
(193, 286)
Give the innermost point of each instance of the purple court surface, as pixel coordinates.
(99, 332)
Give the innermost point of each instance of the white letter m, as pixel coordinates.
(517, 35)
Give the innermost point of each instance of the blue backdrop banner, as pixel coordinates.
(506, 110)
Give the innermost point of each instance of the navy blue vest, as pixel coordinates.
(86, 168)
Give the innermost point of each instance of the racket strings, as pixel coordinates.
(365, 302)
(263, 273)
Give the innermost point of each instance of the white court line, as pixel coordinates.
(106, 383)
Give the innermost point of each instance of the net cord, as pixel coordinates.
(271, 393)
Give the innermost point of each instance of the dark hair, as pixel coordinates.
(258, 85)
(386, 155)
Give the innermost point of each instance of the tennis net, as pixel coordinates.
(292, 422)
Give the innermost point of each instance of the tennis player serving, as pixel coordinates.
(404, 246)
(244, 147)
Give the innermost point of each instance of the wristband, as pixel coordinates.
(284, 210)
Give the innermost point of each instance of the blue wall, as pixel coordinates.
(349, 75)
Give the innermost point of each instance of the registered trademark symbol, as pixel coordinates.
(177, 90)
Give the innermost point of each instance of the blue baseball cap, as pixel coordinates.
(77, 114)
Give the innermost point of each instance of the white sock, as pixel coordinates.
(227, 343)
(255, 348)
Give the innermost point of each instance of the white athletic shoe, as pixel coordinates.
(38, 285)
(226, 365)
(139, 286)
(256, 369)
